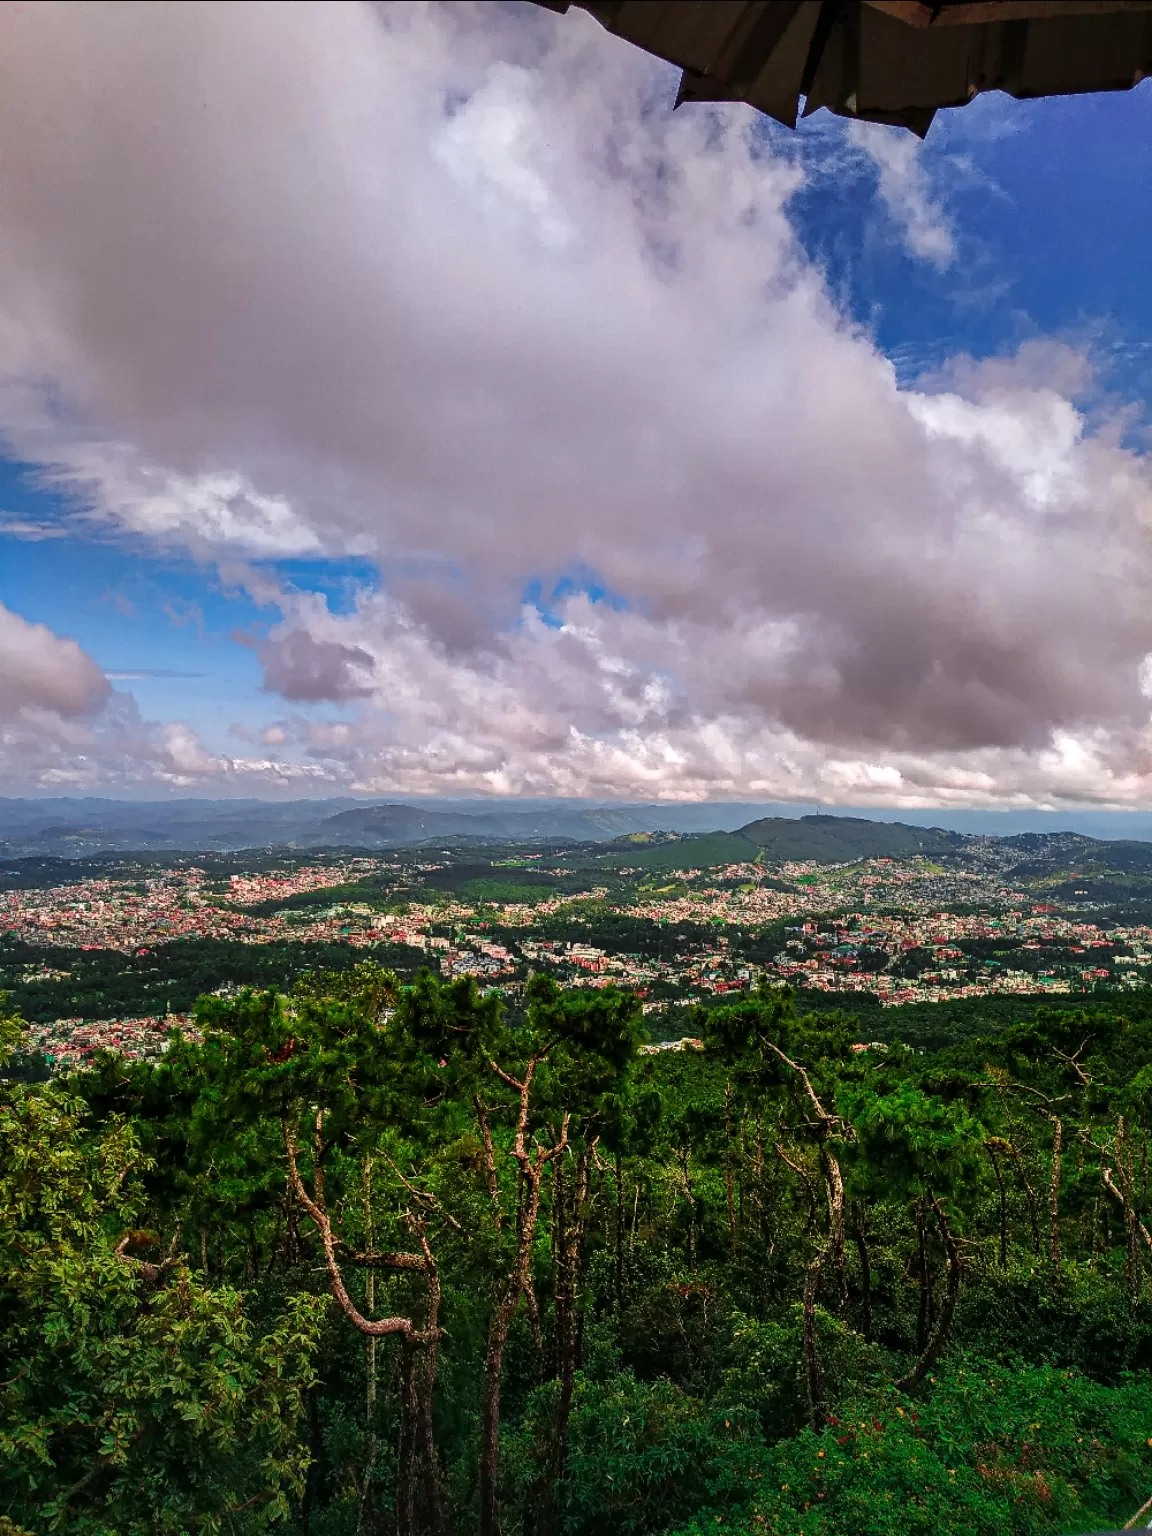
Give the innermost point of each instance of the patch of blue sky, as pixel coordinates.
(546, 595)
(127, 610)
(342, 579)
(1048, 205)
(27, 509)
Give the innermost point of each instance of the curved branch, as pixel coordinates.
(381, 1260)
(821, 1113)
(422, 1194)
(373, 1328)
(489, 1159)
(805, 1178)
(152, 1273)
(1118, 1194)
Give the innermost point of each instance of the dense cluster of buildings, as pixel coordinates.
(129, 914)
(878, 926)
(67, 1043)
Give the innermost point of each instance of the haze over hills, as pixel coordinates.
(75, 828)
(702, 834)
(390, 825)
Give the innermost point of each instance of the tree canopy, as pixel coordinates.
(377, 1255)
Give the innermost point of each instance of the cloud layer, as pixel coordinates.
(41, 671)
(452, 290)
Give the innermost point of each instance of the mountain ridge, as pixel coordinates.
(86, 827)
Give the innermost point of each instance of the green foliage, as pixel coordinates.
(711, 1271)
(105, 984)
(136, 1398)
(998, 1450)
(909, 1142)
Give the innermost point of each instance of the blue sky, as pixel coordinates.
(1049, 203)
(285, 624)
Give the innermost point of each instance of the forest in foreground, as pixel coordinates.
(377, 1257)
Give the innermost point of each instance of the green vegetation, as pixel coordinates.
(377, 1257)
(106, 984)
(695, 852)
(840, 839)
(777, 839)
(480, 882)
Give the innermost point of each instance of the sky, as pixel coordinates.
(406, 401)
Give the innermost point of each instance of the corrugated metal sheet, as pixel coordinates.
(886, 61)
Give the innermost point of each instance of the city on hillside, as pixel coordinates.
(113, 956)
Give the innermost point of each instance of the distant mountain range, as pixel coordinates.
(79, 828)
(644, 836)
(780, 839)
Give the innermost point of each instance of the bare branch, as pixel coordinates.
(381, 1260)
(939, 1335)
(821, 1113)
(1073, 1061)
(1117, 1194)
(489, 1159)
(372, 1328)
(805, 1178)
(422, 1194)
(152, 1273)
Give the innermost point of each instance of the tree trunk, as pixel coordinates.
(428, 1505)
(1030, 1196)
(490, 1412)
(618, 1271)
(1054, 1196)
(817, 1413)
(1003, 1206)
(406, 1449)
(370, 1287)
(1135, 1231)
(758, 1181)
(729, 1184)
(939, 1336)
(559, 1275)
(571, 1243)
(415, 1426)
(531, 1172)
(865, 1277)
(923, 1276)
(315, 1452)
(834, 1184)
(489, 1159)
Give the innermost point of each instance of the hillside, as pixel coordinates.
(777, 839)
(695, 852)
(395, 825)
(840, 839)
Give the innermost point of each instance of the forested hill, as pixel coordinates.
(837, 839)
(828, 839)
(778, 839)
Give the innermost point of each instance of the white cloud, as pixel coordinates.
(41, 670)
(452, 288)
(32, 532)
(208, 513)
(904, 188)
